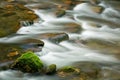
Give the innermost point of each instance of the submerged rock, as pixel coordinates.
(88, 6)
(69, 73)
(67, 69)
(60, 13)
(107, 47)
(28, 62)
(90, 69)
(109, 73)
(54, 37)
(51, 69)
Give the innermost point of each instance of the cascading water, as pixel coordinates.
(73, 50)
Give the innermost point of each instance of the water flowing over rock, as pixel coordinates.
(81, 39)
(54, 37)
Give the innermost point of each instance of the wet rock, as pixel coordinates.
(97, 9)
(26, 23)
(13, 53)
(70, 73)
(69, 4)
(88, 6)
(59, 4)
(104, 46)
(10, 51)
(51, 69)
(8, 13)
(10, 0)
(11, 15)
(69, 27)
(109, 73)
(67, 69)
(72, 27)
(95, 1)
(42, 5)
(112, 3)
(54, 37)
(6, 65)
(60, 13)
(89, 69)
(28, 62)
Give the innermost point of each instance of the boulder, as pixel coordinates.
(10, 51)
(11, 14)
(28, 62)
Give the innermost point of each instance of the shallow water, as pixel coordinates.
(92, 44)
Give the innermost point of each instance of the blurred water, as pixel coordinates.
(73, 50)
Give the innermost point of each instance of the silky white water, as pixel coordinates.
(67, 52)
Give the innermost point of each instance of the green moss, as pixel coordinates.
(67, 69)
(51, 69)
(28, 62)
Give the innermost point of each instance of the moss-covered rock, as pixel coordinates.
(51, 69)
(67, 69)
(28, 62)
(69, 72)
(10, 51)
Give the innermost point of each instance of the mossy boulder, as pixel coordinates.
(11, 50)
(28, 62)
(51, 69)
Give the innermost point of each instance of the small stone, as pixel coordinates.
(13, 53)
(51, 69)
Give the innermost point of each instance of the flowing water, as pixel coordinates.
(98, 42)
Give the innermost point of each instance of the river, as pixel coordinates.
(97, 42)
